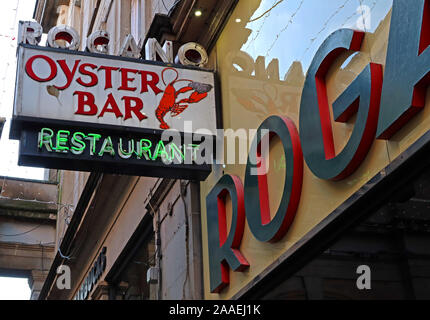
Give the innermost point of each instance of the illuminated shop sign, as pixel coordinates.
(78, 143)
(59, 90)
(83, 149)
(382, 104)
(73, 86)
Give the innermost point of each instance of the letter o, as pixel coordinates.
(192, 54)
(29, 68)
(64, 33)
(257, 207)
(242, 59)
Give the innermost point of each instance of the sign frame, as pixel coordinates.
(21, 126)
(18, 121)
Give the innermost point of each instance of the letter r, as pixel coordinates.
(224, 248)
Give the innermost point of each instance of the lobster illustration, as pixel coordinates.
(168, 102)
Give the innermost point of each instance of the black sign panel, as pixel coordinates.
(143, 153)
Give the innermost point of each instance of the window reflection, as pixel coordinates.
(393, 242)
(267, 47)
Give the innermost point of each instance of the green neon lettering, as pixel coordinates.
(123, 154)
(93, 137)
(194, 148)
(145, 149)
(176, 152)
(45, 138)
(282, 163)
(78, 145)
(107, 147)
(160, 150)
(62, 141)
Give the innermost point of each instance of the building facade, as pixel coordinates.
(144, 223)
(129, 237)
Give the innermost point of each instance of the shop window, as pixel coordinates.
(133, 282)
(394, 242)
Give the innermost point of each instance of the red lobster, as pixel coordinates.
(168, 101)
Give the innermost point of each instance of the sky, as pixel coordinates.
(14, 289)
(11, 11)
